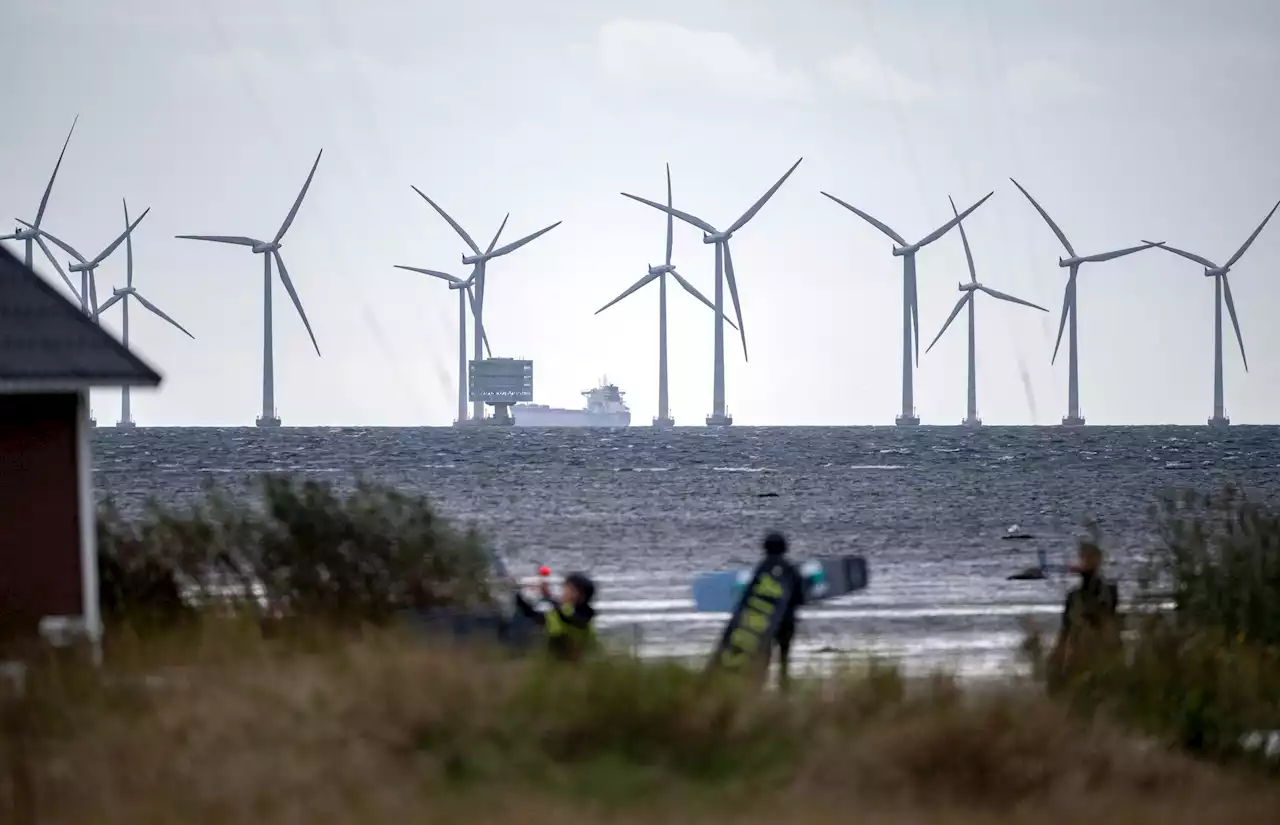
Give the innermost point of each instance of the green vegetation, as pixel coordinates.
(339, 717)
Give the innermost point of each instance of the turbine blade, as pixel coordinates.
(1256, 232)
(946, 227)
(444, 276)
(684, 216)
(44, 199)
(733, 293)
(456, 227)
(915, 314)
(66, 247)
(671, 219)
(57, 266)
(497, 234)
(1235, 323)
(293, 213)
(898, 239)
(514, 245)
(112, 301)
(1065, 243)
(968, 256)
(1005, 297)
(1205, 262)
(1062, 323)
(238, 240)
(646, 279)
(125, 234)
(155, 310)
(756, 207)
(293, 295)
(484, 335)
(689, 288)
(1119, 253)
(128, 245)
(965, 298)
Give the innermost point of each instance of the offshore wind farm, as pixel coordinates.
(485, 381)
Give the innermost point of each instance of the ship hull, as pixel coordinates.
(531, 416)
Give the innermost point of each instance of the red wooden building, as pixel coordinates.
(50, 355)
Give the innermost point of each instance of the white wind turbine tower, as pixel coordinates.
(271, 250)
(659, 273)
(724, 272)
(910, 300)
(29, 233)
(1221, 288)
(969, 289)
(465, 296)
(477, 263)
(1069, 307)
(123, 295)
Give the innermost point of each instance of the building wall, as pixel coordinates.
(40, 538)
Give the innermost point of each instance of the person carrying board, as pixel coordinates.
(775, 551)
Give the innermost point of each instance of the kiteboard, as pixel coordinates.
(748, 637)
(823, 579)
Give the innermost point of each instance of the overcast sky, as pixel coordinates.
(1126, 119)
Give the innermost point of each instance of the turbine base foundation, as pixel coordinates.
(907, 421)
(1219, 421)
(267, 421)
(714, 420)
(1073, 421)
(126, 425)
(663, 423)
(93, 422)
(971, 422)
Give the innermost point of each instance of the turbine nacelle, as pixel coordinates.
(970, 287)
(899, 251)
(716, 237)
(120, 292)
(1216, 272)
(25, 233)
(662, 270)
(262, 248)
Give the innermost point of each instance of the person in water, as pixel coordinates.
(569, 622)
(775, 552)
(1090, 622)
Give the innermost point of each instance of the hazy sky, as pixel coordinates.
(1125, 118)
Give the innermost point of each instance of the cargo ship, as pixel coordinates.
(604, 408)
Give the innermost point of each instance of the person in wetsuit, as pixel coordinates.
(570, 622)
(1090, 624)
(775, 551)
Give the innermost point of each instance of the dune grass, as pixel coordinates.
(219, 725)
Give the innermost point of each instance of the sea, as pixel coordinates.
(644, 511)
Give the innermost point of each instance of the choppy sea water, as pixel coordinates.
(643, 511)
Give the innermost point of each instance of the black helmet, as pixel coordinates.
(775, 544)
(583, 584)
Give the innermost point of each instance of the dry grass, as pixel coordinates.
(375, 729)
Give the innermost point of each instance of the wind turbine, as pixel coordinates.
(477, 262)
(86, 267)
(1221, 288)
(969, 290)
(659, 273)
(910, 302)
(724, 271)
(1069, 307)
(29, 233)
(123, 295)
(465, 296)
(271, 250)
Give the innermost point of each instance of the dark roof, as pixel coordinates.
(47, 342)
